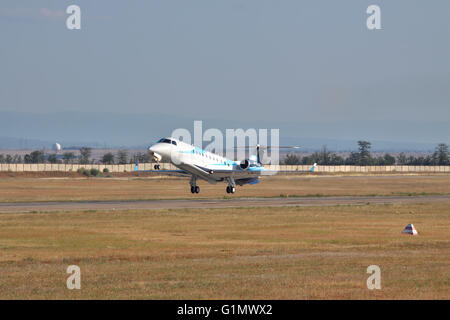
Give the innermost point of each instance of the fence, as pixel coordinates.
(17, 167)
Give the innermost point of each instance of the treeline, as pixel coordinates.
(84, 156)
(363, 157)
(122, 158)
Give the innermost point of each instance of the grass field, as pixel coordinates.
(232, 253)
(17, 189)
(253, 253)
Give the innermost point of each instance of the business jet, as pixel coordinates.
(201, 164)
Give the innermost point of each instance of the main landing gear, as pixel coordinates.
(194, 187)
(157, 166)
(231, 188)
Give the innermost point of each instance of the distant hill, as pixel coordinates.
(112, 130)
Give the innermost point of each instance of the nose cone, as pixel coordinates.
(152, 148)
(159, 151)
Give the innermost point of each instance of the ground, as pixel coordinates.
(75, 188)
(226, 253)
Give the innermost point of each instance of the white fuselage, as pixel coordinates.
(180, 154)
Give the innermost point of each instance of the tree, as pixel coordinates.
(68, 157)
(122, 157)
(37, 157)
(352, 159)
(52, 158)
(9, 158)
(401, 158)
(388, 160)
(427, 161)
(141, 158)
(108, 158)
(364, 153)
(17, 158)
(385, 160)
(336, 160)
(291, 159)
(27, 158)
(85, 155)
(441, 155)
(307, 160)
(325, 156)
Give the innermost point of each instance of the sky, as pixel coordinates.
(277, 62)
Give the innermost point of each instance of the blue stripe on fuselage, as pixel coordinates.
(228, 162)
(201, 151)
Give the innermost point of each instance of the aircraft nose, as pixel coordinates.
(156, 147)
(160, 148)
(156, 152)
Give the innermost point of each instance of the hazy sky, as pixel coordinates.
(255, 59)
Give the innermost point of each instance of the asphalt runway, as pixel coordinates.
(219, 203)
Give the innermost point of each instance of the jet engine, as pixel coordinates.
(247, 163)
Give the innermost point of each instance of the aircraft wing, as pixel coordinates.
(186, 170)
(166, 172)
(213, 175)
(251, 172)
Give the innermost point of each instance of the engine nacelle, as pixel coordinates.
(245, 164)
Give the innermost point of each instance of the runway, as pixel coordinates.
(213, 203)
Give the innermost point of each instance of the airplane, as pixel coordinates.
(201, 164)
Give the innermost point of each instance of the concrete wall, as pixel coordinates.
(167, 166)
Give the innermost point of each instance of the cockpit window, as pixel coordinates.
(164, 140)
(174, 142)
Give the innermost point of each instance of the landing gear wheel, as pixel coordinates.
(197, 189)
(157, 167)
(192, 189)
(231, 189)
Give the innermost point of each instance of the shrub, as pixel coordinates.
(106, 170)
(95, 172)
(89, 173)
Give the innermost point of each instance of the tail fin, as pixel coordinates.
(313, 167)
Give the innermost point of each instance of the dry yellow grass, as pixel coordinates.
(72, 189)
(276, 253)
